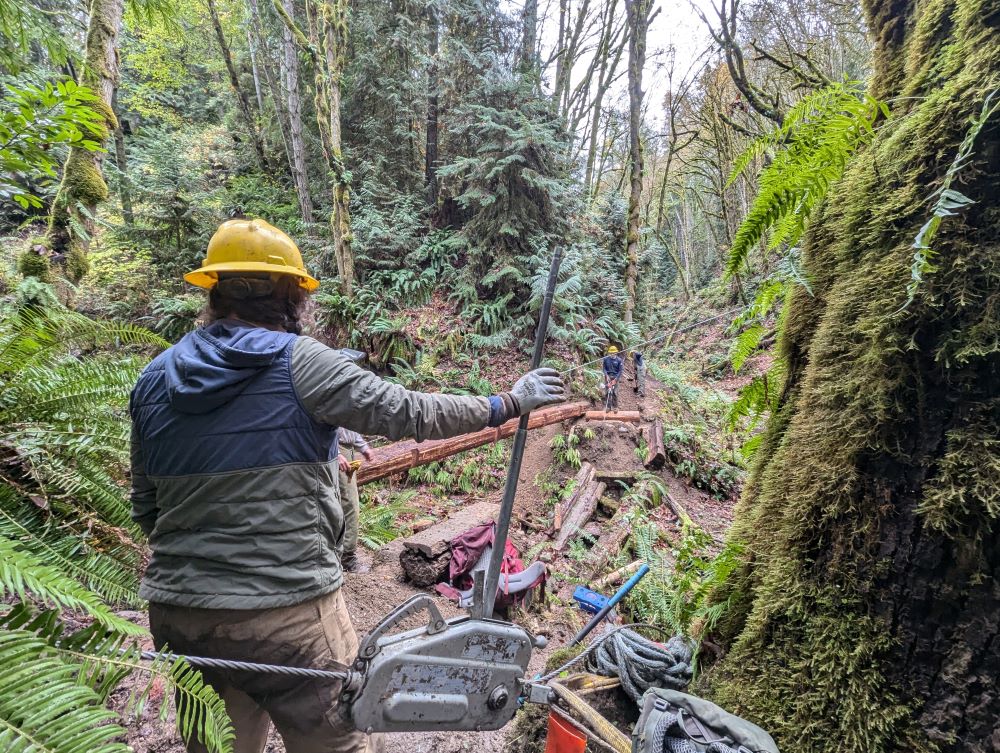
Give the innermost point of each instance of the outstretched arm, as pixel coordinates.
(336, 391)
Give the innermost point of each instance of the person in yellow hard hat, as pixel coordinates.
(235, 482)
(612, 365)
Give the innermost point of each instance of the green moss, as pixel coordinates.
(77, 264)
(33, 264)
(82, 180)
(888, 420)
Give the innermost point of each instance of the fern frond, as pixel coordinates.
(813, 145)
(24, 575)
(745, 346)
(44, 708)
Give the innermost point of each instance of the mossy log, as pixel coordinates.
(867, 610)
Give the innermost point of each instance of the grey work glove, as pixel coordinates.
(537, 388)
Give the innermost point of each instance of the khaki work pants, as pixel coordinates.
(317, 633)
(350, 503)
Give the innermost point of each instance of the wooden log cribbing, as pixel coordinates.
(626, 416)
(426, 554)
(576, 517)
(656, 453)
(580, 482)
(401, 456)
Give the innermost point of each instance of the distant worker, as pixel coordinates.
(351, 444)
(234, 481)
(613, 366)
(640, 373)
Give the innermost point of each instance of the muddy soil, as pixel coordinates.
(371, 594)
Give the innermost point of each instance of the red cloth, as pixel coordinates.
(468, 547)
(466, 550)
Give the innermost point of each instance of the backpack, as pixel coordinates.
(675, 722)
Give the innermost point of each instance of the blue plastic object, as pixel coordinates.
(589, 601)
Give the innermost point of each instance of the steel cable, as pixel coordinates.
(206, 662)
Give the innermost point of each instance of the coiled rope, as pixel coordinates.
(641, 664)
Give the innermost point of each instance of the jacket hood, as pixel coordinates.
(211, 366)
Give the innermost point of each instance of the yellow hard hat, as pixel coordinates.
(250, 246)
(612, 349)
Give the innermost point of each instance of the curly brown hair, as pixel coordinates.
(261, 299)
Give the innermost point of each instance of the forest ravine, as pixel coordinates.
(788, 209)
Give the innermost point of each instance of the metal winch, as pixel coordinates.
(459, 674)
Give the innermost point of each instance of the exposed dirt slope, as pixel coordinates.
(371, 594)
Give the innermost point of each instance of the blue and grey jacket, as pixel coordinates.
(612, 367)
(234, 461)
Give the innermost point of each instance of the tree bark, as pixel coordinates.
(71, 223)
(529, 38)
(327, 46)
(290, 82)
(638, 15)
(867, 608)
(242, 100)
(401, 456)
(258, 92)
(431, 150)
(609, 53)
(121, 162)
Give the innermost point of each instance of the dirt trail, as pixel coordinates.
(370, 595)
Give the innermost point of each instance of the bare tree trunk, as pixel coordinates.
(638, 17)
(276, 91)
(256, 75)
(71, 223)
(121, 162)
(242, 100)
(431, 151)
(610, 52)
(290, 80)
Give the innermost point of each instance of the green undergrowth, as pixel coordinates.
(380, 515)
(475, 471)
(699, 447)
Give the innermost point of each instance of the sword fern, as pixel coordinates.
(66, 539)
(809, 152)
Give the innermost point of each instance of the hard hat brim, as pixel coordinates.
(207, 276)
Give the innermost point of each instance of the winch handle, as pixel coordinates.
(412, 606)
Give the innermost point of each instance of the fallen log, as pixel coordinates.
(580, 482)
(610, 542)
(677, 509)
(576, 517)
(621, 478)
(616, 576)
(401, 456)
(628, 416)
(656, 453)
(426, 554)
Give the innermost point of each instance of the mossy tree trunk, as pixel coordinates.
(867, 615)
(327, 44)
(433, 89)
(71, 223)
(638, 22)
